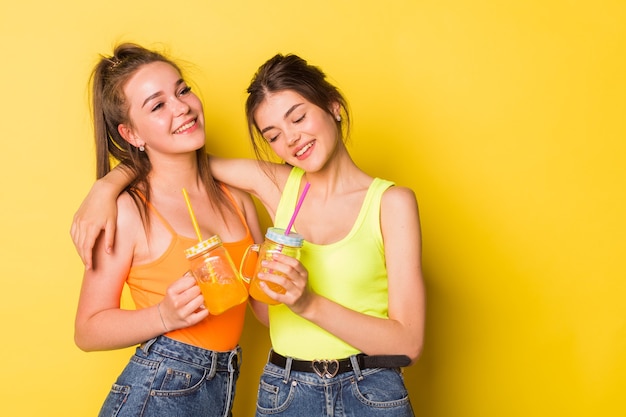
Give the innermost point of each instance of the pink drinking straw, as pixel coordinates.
(295, 212)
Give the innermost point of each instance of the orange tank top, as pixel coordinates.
(148, 283)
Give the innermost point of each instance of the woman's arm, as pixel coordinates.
(98, 212)
(100, 322)
(264, 180)
(403, 331)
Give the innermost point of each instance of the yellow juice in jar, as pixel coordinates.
(257, 292)
(276, 241)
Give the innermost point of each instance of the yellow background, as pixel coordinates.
(507, 118)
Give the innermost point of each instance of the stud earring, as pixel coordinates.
(338, 117)
(141, 148)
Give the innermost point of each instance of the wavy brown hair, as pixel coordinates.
(290, 72)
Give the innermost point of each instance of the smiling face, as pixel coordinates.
(166, 117)
(298, 131)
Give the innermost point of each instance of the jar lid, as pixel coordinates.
(276, 234)
(203, 246)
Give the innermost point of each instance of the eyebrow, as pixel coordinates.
(159, 93)
(287, 113)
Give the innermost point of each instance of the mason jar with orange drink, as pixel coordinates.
(216, 275)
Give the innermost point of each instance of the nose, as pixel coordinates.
(294, 137)
(180, 106)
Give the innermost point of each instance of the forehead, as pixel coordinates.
(150, 79)
(283, 97)
(277, 104)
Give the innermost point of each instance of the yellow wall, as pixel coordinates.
(506, 118)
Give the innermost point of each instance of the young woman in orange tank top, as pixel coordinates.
(146, 117)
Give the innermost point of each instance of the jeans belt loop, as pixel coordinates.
(213, 369)
(145, 346)
(287, 370)
(354, 360)
(234, 360)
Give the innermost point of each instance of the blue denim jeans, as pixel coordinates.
(358, 393)
(169, 378)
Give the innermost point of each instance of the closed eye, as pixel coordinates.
(184, 91)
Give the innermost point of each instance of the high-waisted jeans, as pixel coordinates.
(359, 393)
(169, 378)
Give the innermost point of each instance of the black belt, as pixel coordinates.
(328, 368)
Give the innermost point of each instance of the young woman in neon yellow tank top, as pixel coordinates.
(340, 324)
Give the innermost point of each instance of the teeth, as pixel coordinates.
(185, 126)
(303, 150)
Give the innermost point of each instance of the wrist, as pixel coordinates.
(306, 306)
(116, 180)
(105, 186)
(161, 318)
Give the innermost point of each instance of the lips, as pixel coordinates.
(303, 149)
(186, 126)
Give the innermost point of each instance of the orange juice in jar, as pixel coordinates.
(216, 275)
(219, 297)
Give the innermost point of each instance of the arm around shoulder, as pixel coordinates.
(259, 178)
(98, 212)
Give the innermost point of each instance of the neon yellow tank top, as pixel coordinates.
(351, 272)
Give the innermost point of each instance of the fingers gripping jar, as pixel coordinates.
(276, 241)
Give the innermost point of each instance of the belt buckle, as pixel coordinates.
(325, 368)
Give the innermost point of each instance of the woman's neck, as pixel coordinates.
(174, 174)
(339, 175)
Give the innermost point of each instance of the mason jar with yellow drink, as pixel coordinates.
(276, 241)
